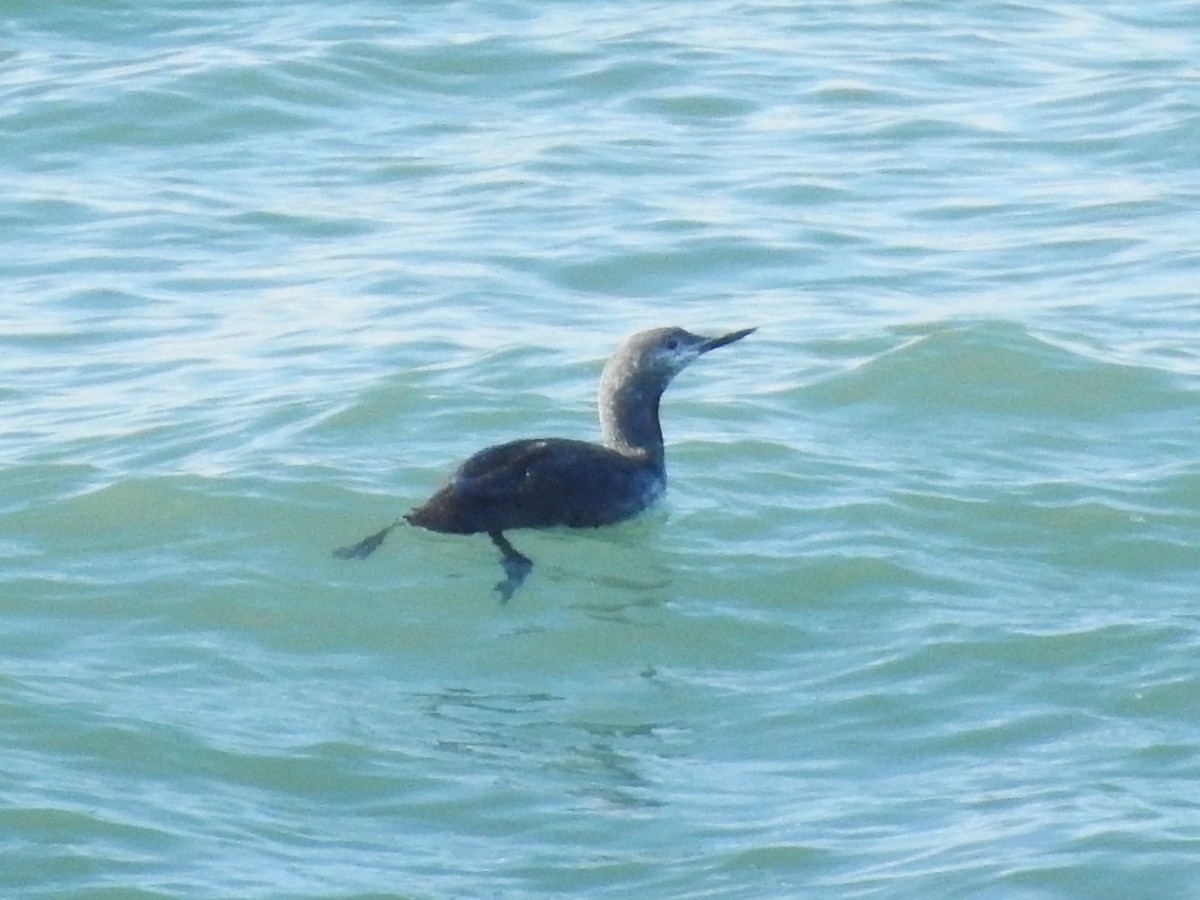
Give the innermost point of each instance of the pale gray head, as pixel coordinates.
(635, 377)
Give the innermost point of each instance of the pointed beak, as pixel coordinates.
(714, 343)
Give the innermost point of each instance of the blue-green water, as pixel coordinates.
(920, 616)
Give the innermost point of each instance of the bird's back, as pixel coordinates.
(541, 483)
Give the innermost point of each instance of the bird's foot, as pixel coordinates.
(515, 570)
(366, 546)
(516, 566)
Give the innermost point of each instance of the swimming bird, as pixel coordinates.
(543, 482)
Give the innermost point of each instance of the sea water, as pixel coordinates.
(919, 616)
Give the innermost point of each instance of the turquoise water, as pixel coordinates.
(919, 616)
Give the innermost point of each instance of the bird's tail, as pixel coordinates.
(367, 545)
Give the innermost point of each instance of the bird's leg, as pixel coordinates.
(366, 546)
(516, 566)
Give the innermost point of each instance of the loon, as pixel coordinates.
(543, 482)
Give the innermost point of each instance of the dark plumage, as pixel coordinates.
(538, 484)
(543, 482)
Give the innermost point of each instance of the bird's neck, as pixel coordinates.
(629, 422)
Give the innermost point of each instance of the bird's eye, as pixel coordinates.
(672, 344)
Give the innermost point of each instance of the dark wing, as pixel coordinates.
(536, 484)
(500, 470)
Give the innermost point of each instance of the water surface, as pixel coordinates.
(918, 618)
